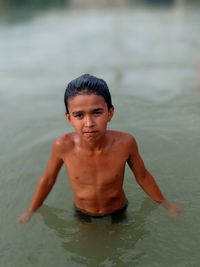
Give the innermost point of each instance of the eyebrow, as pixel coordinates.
(94, 110)
(98, 109)
(77, 112)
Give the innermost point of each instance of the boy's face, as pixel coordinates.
(89, 115)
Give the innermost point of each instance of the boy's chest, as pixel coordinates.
(95, 165)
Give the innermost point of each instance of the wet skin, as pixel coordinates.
(95, 159)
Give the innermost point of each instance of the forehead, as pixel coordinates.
(85, 102)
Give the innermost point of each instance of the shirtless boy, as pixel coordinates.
(94, 156)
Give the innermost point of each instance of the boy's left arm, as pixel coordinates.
(146, 180)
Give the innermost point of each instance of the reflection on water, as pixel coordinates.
(15, 11)
(101, 241)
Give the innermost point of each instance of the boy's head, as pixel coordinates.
(87, 84)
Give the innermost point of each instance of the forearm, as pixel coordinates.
(42, 190)
(151, 188)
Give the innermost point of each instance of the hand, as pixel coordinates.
(171, 207)
(25, 217)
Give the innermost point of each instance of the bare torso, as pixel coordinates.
(95, 159)
(96, 176)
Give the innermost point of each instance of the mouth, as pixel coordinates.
(90, 133)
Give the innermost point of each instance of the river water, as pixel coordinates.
(149, 55)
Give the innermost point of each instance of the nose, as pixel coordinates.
(88, 121)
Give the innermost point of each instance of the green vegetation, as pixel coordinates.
(10, 3)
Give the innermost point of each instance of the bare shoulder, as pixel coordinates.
(123, 137)
(64, 142)
(125, 142)
(66, 139)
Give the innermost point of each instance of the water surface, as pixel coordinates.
(149, 55)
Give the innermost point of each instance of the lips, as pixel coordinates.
(89, 133)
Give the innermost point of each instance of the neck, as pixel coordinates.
(94, 145)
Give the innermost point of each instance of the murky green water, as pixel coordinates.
(150, 58)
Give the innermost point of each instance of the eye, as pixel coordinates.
(97, 112)
(78, 116)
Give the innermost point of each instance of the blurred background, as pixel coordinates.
(148, 51)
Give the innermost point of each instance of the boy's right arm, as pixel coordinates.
(45, 183)
(147, 181)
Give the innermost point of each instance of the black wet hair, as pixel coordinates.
(87, 84)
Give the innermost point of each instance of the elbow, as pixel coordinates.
(46, 181)
(143, 178)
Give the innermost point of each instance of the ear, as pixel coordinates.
(67, 115)
(110, 113)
